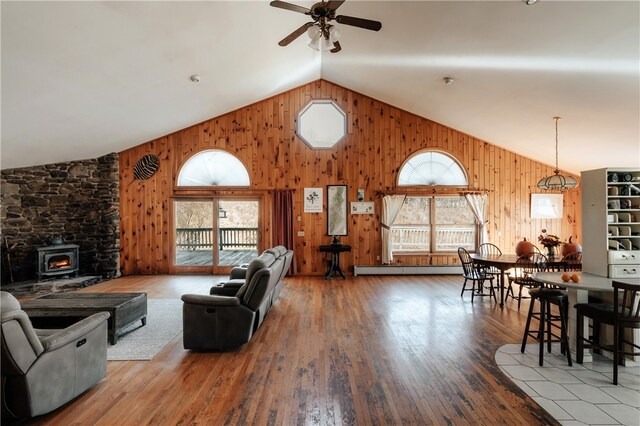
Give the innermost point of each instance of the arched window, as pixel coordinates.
(213, 167)
(432, 168)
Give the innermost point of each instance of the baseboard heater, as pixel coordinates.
(405, 270)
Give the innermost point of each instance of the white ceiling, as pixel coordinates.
(82, 79)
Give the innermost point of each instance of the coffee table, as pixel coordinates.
(62, 309)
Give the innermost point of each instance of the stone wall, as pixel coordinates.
(78, 200)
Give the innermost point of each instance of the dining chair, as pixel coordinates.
(476, 274)
(522, 275)
(572, 261)
(488, 249)
(623, 314)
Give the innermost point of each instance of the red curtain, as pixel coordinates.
(283, 221)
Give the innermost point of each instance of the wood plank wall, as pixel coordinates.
(380, 137)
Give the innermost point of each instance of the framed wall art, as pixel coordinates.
(313, 200)
(337, 210)
(546, 206)
(363, 207)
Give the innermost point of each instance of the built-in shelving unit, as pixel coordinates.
(611, 222)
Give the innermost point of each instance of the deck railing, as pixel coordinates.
(417, 238)
(229, 238)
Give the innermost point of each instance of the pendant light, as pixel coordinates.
(557, 182)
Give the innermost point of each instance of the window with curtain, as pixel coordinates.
(433, 224)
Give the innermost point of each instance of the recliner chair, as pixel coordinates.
(44, 369)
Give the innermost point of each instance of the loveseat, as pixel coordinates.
(44, 369)
(229, 316)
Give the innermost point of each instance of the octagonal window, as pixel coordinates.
(321, 124)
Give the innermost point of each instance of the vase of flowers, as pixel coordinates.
(549, 242)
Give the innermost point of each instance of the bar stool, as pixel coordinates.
(623, 314)
(547, 297)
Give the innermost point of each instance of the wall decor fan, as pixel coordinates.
(323, 35)
(146, 167)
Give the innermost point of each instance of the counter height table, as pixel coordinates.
(579, 293)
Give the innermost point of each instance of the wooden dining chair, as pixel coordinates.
(476, 274)
(522, 275)
(572, 261)
(488, 249)
(623, 314)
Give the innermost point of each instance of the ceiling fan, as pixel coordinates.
(320, 29)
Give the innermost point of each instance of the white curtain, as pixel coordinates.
(478, 205)
(391, 205)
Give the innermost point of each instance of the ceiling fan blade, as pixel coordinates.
(334, 4)
(367, 24)
(289, 6)
(294, 35)
(336, 47)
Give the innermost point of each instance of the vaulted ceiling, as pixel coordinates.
(82, 79)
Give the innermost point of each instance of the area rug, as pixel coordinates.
(164, 323)
(577, 395)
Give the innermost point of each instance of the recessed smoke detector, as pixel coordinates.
(195, 78)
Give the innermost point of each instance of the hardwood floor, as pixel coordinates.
(367, 350)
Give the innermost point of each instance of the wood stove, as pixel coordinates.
(58, 260)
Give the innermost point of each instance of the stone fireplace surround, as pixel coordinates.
(78, 200)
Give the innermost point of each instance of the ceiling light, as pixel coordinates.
(530, 2)
(334, 34)
(557, 181)
(314, 34)
(323, 37)
(195, 78)
(448, 80)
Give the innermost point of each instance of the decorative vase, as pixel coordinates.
(551, 251)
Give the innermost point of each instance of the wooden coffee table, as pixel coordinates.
(62, 309)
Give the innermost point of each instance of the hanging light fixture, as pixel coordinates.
(323, 37)
(557, 181)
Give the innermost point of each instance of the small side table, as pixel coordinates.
(335, 250)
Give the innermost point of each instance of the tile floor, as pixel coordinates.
(578, 395)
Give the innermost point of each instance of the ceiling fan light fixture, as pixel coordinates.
(320, 30)
(334, 34)
(557, 182)
(326, 45)
(314, 33)
(315, 44)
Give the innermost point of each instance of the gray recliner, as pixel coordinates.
(44, 369)
(237, 276)
(215, 322)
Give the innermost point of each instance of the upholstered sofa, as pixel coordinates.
(237, 276)
(44, 369)
(229, 317)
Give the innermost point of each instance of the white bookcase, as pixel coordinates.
(611, 222)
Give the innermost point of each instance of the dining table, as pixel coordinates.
(506, 261)
(578, 292)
